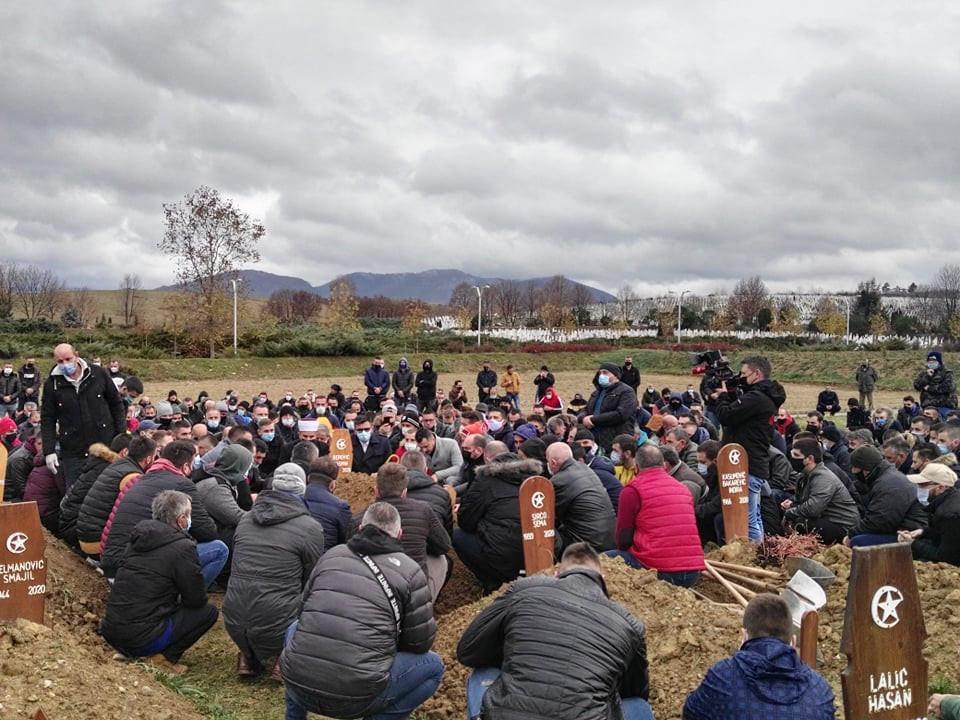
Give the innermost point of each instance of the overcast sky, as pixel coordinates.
(662, 144)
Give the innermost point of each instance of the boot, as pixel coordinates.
(275, 673)
(245, 667)
(161, 662)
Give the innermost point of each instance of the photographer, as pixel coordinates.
(936, 385)
(746, 412)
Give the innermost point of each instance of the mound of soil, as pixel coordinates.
(65, 668)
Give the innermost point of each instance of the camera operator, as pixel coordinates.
(746, 411)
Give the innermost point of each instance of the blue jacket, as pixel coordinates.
(331, 512)
(603, 469)
(376, 378)
(765, 680)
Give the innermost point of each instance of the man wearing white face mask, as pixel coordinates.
(940, 540)
(9, 391)
(370, 449)
(611, 407)
(81, 406)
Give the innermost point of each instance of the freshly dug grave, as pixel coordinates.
(65, 668)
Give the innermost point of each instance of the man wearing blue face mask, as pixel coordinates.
(81, 406)
(611, 407)
(370, 449)
(936, 385)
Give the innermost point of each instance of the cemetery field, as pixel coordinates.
(801, 397)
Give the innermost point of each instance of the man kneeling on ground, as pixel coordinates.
(158, 604)
(557, 648)
(765, 679)
(362, 645)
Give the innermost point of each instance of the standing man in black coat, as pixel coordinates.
(611, 407)
(630, 374)
(557, 649)
(426, 384)
(158, 603)
(486, 382)
(746, 420)
(29, 382)
(81, 406)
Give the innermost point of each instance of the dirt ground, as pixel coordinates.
(800, 397)
(65, 668)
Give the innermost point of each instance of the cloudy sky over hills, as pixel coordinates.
(669, 145)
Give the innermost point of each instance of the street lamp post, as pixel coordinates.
(679, 309)
(480, 309)
(846, 301)
(234, 283)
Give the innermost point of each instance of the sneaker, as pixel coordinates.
(160, 662)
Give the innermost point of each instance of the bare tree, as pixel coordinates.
(130, 298)
(507, 298)
(946, 288)
(749, 297)
(581, 298)
(39, 292)
(463, 297)
(556, 291)
(626, 301)
(343, 312)
(83, 304)
(8, 275)
(210, 238)
(293, 306)
(532, 298)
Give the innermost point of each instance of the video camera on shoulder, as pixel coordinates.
(716, 371)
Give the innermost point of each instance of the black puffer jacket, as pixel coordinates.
(10, 386)
(491, 509)
(746, 420)
(421, 486)
(19, 467)
(565, 651)
(938, 389)
(940, 542)
(615, 415)
(275, 548)
(345, 644)
(98, 502)
(161, 572)
(426, 384)
(583, 509)
(423, 533)
(891, 503)
(78, 419)
(97, 461)
(135, 508)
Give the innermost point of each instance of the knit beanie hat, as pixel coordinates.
(611, 368)
(935, 355)
(234, 462)
(866, 458)
(865, 435)
(290, 478)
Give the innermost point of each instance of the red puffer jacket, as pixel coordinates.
(665, 533)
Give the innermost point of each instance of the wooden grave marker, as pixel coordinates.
(732, 467)
(537, 516)
(341, 449)
(23, 567)
(883, 634)
(807, 642)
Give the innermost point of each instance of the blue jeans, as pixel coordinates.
(514, 399)
(414, 678)
(754, 521)
(685, 578)
(867, 540)
(213, 557)
(482, 678)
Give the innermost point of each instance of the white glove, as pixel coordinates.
(53, 462)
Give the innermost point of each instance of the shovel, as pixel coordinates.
(803, 593)
(820, 574)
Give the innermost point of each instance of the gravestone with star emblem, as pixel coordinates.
(537, 523)
(732, 466)
(883, 634)
(23, 568)
(341, 449)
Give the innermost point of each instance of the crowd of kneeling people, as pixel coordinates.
(337, 602)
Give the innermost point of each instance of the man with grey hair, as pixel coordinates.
(897, 452)
(81, 406)
(158, 604)
(361, 647)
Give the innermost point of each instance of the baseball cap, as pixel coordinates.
(934, 473)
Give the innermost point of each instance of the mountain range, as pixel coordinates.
(431, 286)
